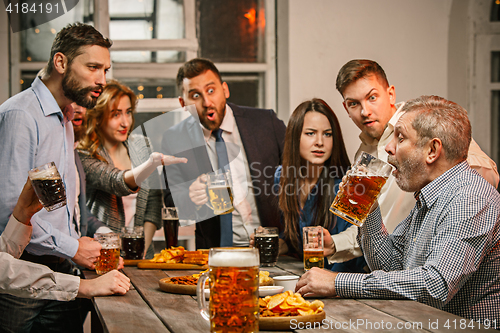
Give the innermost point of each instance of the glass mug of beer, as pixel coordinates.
(220, 194)
(48, 186)
(267, 242)
(110, 252)
(170, 219)
(233, 277)
(313, 247)
(132, 243)
(359, 192)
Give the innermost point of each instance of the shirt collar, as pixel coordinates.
(431, 192)
(47, 101)
(227, 124)
(389, 129)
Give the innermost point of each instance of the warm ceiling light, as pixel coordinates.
(140, 88)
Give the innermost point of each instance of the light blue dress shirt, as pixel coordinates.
(34, 131)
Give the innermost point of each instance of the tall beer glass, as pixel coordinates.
(110, 252)
(313, 247)
(234, 290)
(48, 186)
(220, 194)
(170, 219)
(357, 195)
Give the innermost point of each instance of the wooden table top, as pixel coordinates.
(146, 308)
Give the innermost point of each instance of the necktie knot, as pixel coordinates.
(218, 135)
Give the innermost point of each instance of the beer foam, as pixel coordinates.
(233, 259)
(44, 174)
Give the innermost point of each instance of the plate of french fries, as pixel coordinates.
(276, 312)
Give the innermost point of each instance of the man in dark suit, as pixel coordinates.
(253, 139)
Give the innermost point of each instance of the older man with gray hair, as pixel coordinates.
(446, 253)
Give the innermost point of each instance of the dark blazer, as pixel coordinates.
(262, 135)
(88, 222)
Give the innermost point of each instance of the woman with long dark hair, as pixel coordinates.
(314, 162)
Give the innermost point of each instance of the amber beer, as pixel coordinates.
(234, 286)
(313, 258)
(363, 185)
(110, 252)
(358, 196)
(108, 260)
(221, 199)
(313, 244)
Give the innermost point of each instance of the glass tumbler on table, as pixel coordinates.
(313, 247)
(132, 242)
(267, 242)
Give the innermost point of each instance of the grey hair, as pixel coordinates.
(439, 118)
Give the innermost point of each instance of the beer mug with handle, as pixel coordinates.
(220, 193)
(233, 276)
(359, 192)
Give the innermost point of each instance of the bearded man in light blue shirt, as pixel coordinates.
(36, 128)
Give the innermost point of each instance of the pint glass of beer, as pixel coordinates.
(267, 242)
(358, 194)
(220, 193)
(170, 219)
(234, 290)
(48, 186)
(132, 242)
(313, 247)
(110, 252)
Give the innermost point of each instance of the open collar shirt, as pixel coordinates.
(34, 131)
(445, 254)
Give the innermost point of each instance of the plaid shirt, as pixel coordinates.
(446, 253)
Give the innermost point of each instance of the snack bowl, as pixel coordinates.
(269, 290)
(288, 282)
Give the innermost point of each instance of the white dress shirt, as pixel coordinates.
(245, 216)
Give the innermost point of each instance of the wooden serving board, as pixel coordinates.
(156, 265)
(133, 262)
(283, 323)
(173, 288)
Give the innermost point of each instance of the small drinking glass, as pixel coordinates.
(361, 189)
(48, 186)
(170, 219)
(313, 247)
(267, 242)
(110, 252)
(132, 242)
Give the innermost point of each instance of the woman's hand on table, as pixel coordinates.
(317, 282)
(110, 283)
